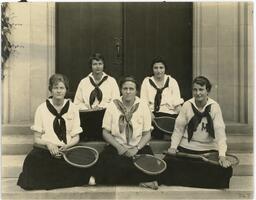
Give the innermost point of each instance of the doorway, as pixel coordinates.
(129, 35)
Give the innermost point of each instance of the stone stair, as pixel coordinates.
(17, 142)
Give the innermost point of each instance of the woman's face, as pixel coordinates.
(200, 93)
(128, 91)
(97, 66)
(58, 91)
(158, 70)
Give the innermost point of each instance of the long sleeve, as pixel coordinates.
(147, 118)
(219, 127)
(179, 129)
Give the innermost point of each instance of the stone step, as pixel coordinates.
(241, 187)
(12, 165)
(231, 128)
(16, 144)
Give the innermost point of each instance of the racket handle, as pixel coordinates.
(188, 155)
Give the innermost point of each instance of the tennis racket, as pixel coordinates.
(211, 157)
(165, 124)
(78, 156)
(149, 164)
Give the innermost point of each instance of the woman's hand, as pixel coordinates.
(63, 148)
(131, 152)
(54, 149)
(121, 150)
(224, 162)
(172, 151)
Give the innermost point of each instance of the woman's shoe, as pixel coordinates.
(92, 181)
(152, 185)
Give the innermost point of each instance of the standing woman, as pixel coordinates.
(93, 94)
(57, 127)
(161, 92)
(126, 127)
(199, 128)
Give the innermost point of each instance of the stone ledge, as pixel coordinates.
(240, 188)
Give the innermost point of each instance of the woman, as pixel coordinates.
(126, 127)
(199, 128)
(97, 89)
(93, 94)
(161, 92)
(57, 128)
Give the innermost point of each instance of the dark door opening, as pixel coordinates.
(129, 35)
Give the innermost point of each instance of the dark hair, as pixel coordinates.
(96, 56)
(158, 59)
(56, 78)
(129, 78)
(201, 80)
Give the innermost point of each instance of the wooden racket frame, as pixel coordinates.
(202, 157)
(145, 171)
(74, 147)
(78, 165)
(165, 131)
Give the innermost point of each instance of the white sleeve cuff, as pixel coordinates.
(178, 102)
(37, 129)
(76, 131)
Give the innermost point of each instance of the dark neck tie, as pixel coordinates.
(159, 91)
(125, 119)
(96, 93)
(59, 125)
(196, 120)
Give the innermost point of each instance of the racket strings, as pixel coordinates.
(232, 159)
(212, 156)
(81, 156)
(150, 164)
(165, 124)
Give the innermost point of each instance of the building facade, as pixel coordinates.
(222, 50)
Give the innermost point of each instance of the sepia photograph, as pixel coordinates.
(127, 100)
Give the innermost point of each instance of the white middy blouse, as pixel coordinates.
(201, 141)
(43, 123)
(170, 96)
(109, 90)
(141, 121)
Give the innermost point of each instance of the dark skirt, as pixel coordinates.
(91, 123)
(43, 171)
(194, 173)
(113, 169)
(158, 134)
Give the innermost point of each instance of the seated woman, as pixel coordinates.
(162, 93)
(126, 127)
(199, 128)
(56, 127)
(94, 93)
(98, 89)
